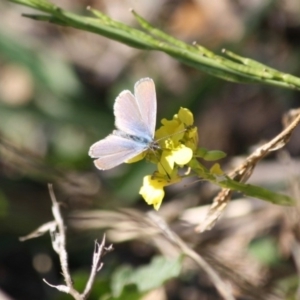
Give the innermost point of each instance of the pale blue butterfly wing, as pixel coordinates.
(136, 115)
(114, 150)
(135, 121)
(144, 91)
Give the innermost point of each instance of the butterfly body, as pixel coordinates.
(143, 140)
(135, 119)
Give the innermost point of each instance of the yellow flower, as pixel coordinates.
(174, 137)
(170, 156)
(178, 140)
(153, 188)
(171, 129)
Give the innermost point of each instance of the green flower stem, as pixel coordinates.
(232, 67)
(248, 189)
(257, 192)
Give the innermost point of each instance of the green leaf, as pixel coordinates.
(201, 152)
(146, 277)
(154, 275)
(120, 278)
(231, 67)
(214, 155)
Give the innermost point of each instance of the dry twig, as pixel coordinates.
(244, 171)
(57, 232)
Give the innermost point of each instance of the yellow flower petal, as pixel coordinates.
(170, 129)
(216, 169)
(182, 155)
(153, 188)
(218, 172)
(152, 191)
(191, 138)
(186, 116)
(166, 164)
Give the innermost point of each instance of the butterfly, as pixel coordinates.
(135, 119)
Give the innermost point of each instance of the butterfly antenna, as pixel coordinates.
(169, 177)
(172, 134)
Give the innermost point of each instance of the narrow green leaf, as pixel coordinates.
(257, 192)
(248, 189)
(232, 68)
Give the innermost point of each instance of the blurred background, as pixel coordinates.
(57, 90)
